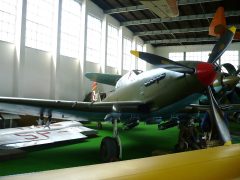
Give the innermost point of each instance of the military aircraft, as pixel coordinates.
(160, 91)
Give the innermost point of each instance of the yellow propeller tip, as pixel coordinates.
(135, 53)
(233, 29)
(227, 143)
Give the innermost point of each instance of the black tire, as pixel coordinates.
(109, 150)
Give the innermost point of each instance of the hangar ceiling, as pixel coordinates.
(190, 27)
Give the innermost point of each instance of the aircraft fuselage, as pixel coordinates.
(158, 88)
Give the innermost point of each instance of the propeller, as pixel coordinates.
(229, 83)
(230, 68)
(217, 114)
(206, 73)
(164, 62)
(222, 44)
(218, 118)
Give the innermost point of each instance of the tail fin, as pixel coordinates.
(218, 25)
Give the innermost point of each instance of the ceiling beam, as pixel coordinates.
(179, 18)
(187, 2)
(175, 41)
(142, 7)
(174, 31)
(125, 9)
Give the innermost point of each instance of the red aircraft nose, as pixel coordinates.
(206, 73)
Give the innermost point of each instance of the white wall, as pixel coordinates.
(68, 79)
(36, 74)
(7, 69)
(32, 73)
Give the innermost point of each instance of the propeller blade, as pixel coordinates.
(162, 62)
(237, 72)
(230, 68)
(222, 44)
(219, 119)
(176, 68)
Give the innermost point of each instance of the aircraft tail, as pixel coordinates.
(218, 25)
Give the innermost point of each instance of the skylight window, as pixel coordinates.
(8, 11)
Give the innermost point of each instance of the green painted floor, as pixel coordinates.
(138, 142)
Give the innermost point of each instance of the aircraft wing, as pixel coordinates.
(37, 135)
(223, 107)
(66, 110)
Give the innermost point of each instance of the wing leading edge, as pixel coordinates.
(223, 107)
(67, 110)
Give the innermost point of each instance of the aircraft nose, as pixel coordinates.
(206, 73)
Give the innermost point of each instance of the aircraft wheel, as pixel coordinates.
(109, 150)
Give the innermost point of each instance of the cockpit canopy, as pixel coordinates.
(128, 78)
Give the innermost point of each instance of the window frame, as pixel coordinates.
(7, 27)
(90, 48)
(175, 56)
(197, 56)
(70, 45)
(141, 64)
(112, 47)
(39, 32)
(128, 59)
(230, 58)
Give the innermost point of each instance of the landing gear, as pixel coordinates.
(109, 150)
(189, 137)
(111, 147)
(99, 125)
(48, 122)
(40, 121)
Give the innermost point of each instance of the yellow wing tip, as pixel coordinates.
(228, 143)
(135, 53)
(233, 29)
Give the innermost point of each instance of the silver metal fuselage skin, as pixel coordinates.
(168, 90)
